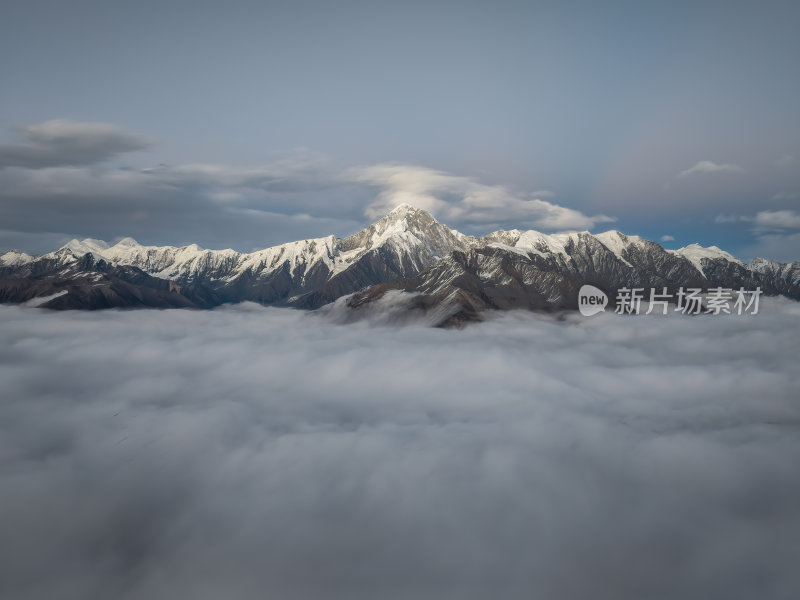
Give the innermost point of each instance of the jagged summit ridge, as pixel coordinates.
(406, 249)
(404, 226)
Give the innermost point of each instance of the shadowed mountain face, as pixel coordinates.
(408, 250)
(88, 283)
(465, 284)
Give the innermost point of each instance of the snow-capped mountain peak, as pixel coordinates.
(128, 242)
(788, 272)
(695, 253)
(616, 241)
(86, 245)
(405, 208)
(13, 258)
(400, 246)
(404, 228)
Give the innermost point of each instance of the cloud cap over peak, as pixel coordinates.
(64, 142)
(463, 200)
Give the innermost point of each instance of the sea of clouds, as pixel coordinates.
(252, 452)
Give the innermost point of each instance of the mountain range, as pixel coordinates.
(441, 271)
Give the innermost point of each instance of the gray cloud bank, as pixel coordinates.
(251, 452)
(62, 142)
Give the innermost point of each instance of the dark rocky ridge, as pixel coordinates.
(465, 284)
(95, 284)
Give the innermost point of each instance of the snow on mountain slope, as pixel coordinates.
(618, 242)
(297, 256)
(12, 258)
(556, 243)
(87, 245)
(407, 233)
(530, 241)
(695, 253)
(542, 244)
(192, 261)
(167, 262)
(788, 272)
(40, 300)
(406, 229)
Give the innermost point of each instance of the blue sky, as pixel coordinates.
(246, 124)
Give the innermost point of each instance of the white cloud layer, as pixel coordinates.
(706, 166)
(250, 452)
(777, 219)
